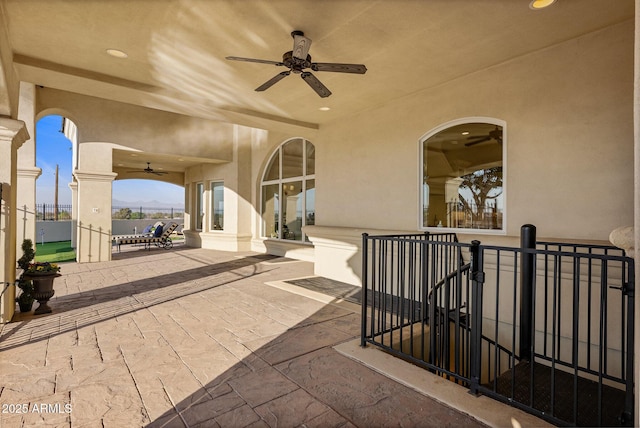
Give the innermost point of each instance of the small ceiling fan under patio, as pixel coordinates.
(298, 60)
(495, 134)
(150, 170)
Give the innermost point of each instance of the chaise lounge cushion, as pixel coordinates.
(162, 240)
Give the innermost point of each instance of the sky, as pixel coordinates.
(53, 148)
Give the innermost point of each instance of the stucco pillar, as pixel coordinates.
(70, 131)
(26, 204)
(74, 213)
(12, 135)
(28, 173)
(93, 229)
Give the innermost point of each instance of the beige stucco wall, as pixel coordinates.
(236, 176)
(569, 142)
(94, 178)
(141, 128)
(27, 170)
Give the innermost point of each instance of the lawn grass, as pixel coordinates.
(55, 252)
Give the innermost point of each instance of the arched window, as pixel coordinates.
(463, 172)
(288, 191)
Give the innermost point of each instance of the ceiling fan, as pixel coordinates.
(298, 60)
(150, 170)
(495, 134)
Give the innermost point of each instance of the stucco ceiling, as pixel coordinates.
(176, 49)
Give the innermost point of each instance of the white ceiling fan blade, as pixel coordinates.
(301, 45)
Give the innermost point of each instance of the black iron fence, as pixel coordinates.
(133, 213)
(53, 212)
(63, 212)
(547, 327)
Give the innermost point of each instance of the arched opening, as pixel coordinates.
(54, 158)
(55, 153)
(139, 203)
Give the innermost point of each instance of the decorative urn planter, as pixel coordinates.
(42, 290)
(42, 276)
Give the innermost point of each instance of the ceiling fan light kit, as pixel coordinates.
(298, 60)
(540, 4)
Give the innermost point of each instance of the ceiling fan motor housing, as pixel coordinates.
(295, 64)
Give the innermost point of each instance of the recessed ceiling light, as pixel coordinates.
(540, 4)
(465, 133)
(117, 53)
(324, 108)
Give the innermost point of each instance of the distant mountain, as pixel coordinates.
(146, 204)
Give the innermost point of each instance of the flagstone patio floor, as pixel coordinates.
(201, 338)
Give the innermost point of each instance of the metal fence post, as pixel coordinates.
(527, 276)
(363, 303)
(627, 416)
(477, 277)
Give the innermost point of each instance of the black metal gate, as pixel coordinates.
(547, 327)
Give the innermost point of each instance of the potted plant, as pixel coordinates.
(42, 269)
(26, 298)
(42, 275)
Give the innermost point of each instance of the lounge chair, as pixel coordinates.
(160, 238)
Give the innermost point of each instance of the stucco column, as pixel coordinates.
(28, 173)
(74, 213)
(26, 204)
(12, 135)
(93, 230)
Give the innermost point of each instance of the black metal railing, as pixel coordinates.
(57, 212)
(547, 327)
(54, 212)
(404, 273)
(133, 213)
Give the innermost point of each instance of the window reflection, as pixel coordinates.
(270, 211)
(463, 177)
(292, 210)
(273, 170)
(292, 157)
(199, 206)
(310, 210)
(288, 193)
(217, 206)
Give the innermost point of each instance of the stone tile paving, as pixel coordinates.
(194, 338)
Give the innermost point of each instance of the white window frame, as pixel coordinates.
(212, 203)
(200, 204)
(280, 181)
(421, 201)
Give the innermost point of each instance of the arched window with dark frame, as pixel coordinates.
(288, 191)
